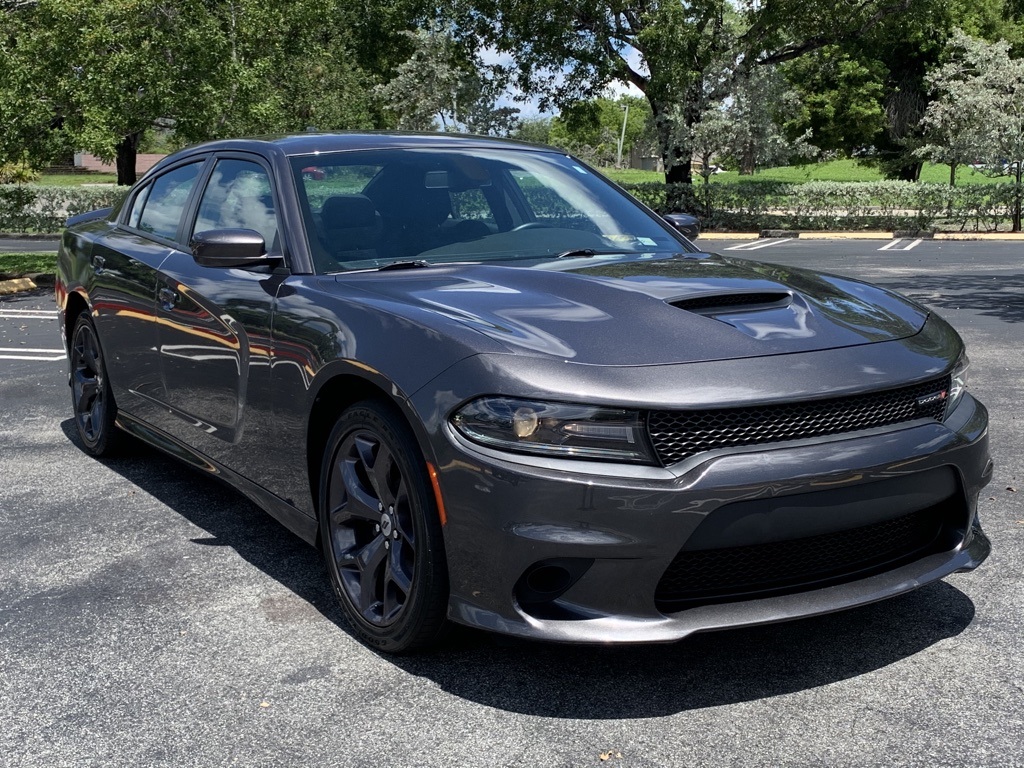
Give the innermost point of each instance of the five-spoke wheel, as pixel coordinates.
(380, 530)
(91, 399)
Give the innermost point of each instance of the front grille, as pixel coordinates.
(677, 435)
(718, 575)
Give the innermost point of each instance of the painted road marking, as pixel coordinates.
(27, 353)
(28, 314)
(908, 247)
(757, 244)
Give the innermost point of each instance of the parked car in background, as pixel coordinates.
(496, 390)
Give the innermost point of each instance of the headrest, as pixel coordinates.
(347, 212)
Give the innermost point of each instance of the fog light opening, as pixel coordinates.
(544, 582)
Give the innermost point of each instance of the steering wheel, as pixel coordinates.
(531, 225)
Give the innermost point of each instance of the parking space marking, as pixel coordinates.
(28, 314)
(758, 245)
(892, 246)
(25, 353)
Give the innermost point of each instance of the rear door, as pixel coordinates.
(123, 294)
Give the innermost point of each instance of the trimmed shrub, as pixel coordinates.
(31, 208)
(756, 205)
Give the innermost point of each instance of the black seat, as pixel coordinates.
(351, 227)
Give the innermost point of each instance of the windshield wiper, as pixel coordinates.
(576, 252)
(413, 264)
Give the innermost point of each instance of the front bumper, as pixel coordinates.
(615, 529)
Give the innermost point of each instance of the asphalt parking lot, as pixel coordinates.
(149, 616)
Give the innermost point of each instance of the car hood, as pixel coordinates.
(608, 310)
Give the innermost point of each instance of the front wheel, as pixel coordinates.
(380, 531)
(91, 398)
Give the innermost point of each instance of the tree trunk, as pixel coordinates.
(127, 151)
(952, 174)
(678, 159)
(910, 172)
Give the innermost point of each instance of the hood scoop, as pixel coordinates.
(721, 303)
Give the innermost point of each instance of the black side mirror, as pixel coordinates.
(230, 248)
(684, 223)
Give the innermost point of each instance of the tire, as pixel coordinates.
(91, 398)
(381, 533)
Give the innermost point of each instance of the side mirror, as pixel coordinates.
(684, 223)
(230, 248)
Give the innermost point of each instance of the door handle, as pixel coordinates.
(168, 298)
(97, 263)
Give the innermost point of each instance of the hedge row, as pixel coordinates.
(32, 208)
(831, 205)
(745, 205)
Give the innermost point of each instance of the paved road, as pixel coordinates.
(150, 616)
(11, 245)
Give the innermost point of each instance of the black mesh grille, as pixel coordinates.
(677, 435)
(711, 575)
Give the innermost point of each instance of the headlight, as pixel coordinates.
(958, 383)
(555, 429)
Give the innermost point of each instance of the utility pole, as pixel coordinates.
(622, 136)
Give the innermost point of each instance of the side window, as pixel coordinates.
(238, 196)
(163, 205)
(137, 206)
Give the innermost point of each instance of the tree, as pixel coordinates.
(443, 80)
(979, 109)
(96, 75)
(867, 95)
(592, 129)
(571, 51)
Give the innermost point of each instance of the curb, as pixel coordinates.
(17, 285)
(897, 235)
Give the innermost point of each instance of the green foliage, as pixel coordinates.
(17, 173)
(36, 208)
(822, 205)
(18, 264)
(97, 76)
(591, 129)
(443, 80)
(536, 130)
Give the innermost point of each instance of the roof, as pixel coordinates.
(311, 143)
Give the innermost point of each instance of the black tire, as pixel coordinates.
(381, 532)
(91, 398)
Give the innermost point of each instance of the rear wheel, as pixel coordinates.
(381, 532)
(91, 399)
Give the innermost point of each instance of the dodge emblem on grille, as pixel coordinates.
(927, 400)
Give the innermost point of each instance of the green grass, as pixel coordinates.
(27, 263)
(833, 170)
(75, 179)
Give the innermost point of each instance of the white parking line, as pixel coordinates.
(54, 355)
(757, 244)
(27, 314)
(908, 247)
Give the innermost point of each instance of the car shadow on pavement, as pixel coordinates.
(1000, 297)
(580, 682)
(229, 519)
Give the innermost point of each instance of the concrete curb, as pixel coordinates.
(17, 285)
(897, 235)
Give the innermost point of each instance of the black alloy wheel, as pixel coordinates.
(381, 532)
(91, 400)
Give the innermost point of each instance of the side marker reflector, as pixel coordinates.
(437, 494)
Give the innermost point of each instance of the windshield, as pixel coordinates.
(369, 209)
